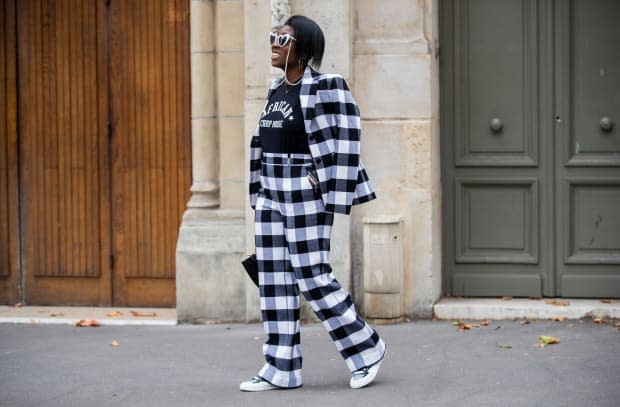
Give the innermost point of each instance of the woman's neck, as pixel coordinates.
(294, 74)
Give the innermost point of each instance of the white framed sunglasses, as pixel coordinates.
(280, 40)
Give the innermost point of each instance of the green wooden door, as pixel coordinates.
(531, 184)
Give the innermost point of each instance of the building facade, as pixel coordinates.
(489, 132)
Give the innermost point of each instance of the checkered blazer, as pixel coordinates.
(332, 121)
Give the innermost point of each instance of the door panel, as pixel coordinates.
(486, 203)
(592, 81)
(63, 152)
(495, 118)
(9, 196)
(151, 162)
(588, 185)
(496, 213)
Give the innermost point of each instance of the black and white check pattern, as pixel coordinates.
(292, 232)
(332, 122)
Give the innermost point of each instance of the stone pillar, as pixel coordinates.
(203, 105)
(396, 69)
(210, 281)
(230, 77)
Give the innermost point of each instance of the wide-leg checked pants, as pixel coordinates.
(292, 233)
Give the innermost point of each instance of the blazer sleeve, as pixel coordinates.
(256, 153)
(346, 156)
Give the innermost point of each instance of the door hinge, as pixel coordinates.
(111, 260)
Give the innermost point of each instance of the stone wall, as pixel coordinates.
(387, 53)
(395, 73)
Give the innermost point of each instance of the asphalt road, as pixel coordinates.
(429, 363)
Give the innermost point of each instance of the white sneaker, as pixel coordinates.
(362, 377)
(256, 384)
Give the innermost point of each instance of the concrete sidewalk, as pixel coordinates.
(103, 315)
(429, 363)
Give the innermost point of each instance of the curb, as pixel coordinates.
(70, 321)
(495, 309)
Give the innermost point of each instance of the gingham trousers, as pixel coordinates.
(292, 232)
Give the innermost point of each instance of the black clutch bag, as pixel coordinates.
(251, 267)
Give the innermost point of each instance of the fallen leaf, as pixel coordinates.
(114, 314)
(18, 305)
(527, 321)
(497, 328)
(540, 345)
(504, 346)
(115, 343)
(35, 321)
(607, 301)
(87, 322)
(486, 322)
(558, 302)
(549, 340)
(506, 298)
(143, 313)
(57, 314)
(571, 325)
(534, 297)
(558, 318)
(599, 320)
(463, 326)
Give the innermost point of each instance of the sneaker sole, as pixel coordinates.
(257, 386)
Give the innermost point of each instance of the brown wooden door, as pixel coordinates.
(151, 155)
(63, 152)
(104, 148)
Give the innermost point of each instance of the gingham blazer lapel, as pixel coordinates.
(307, 98)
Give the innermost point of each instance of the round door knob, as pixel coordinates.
(496, 125)
(606, 124)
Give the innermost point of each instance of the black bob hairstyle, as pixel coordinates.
(309, 40)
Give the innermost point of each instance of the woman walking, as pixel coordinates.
(304, 167)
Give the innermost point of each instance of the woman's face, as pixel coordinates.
(278, 55)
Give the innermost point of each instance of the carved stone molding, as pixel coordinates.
(280, 12)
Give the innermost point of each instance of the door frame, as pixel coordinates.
(10, 287)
